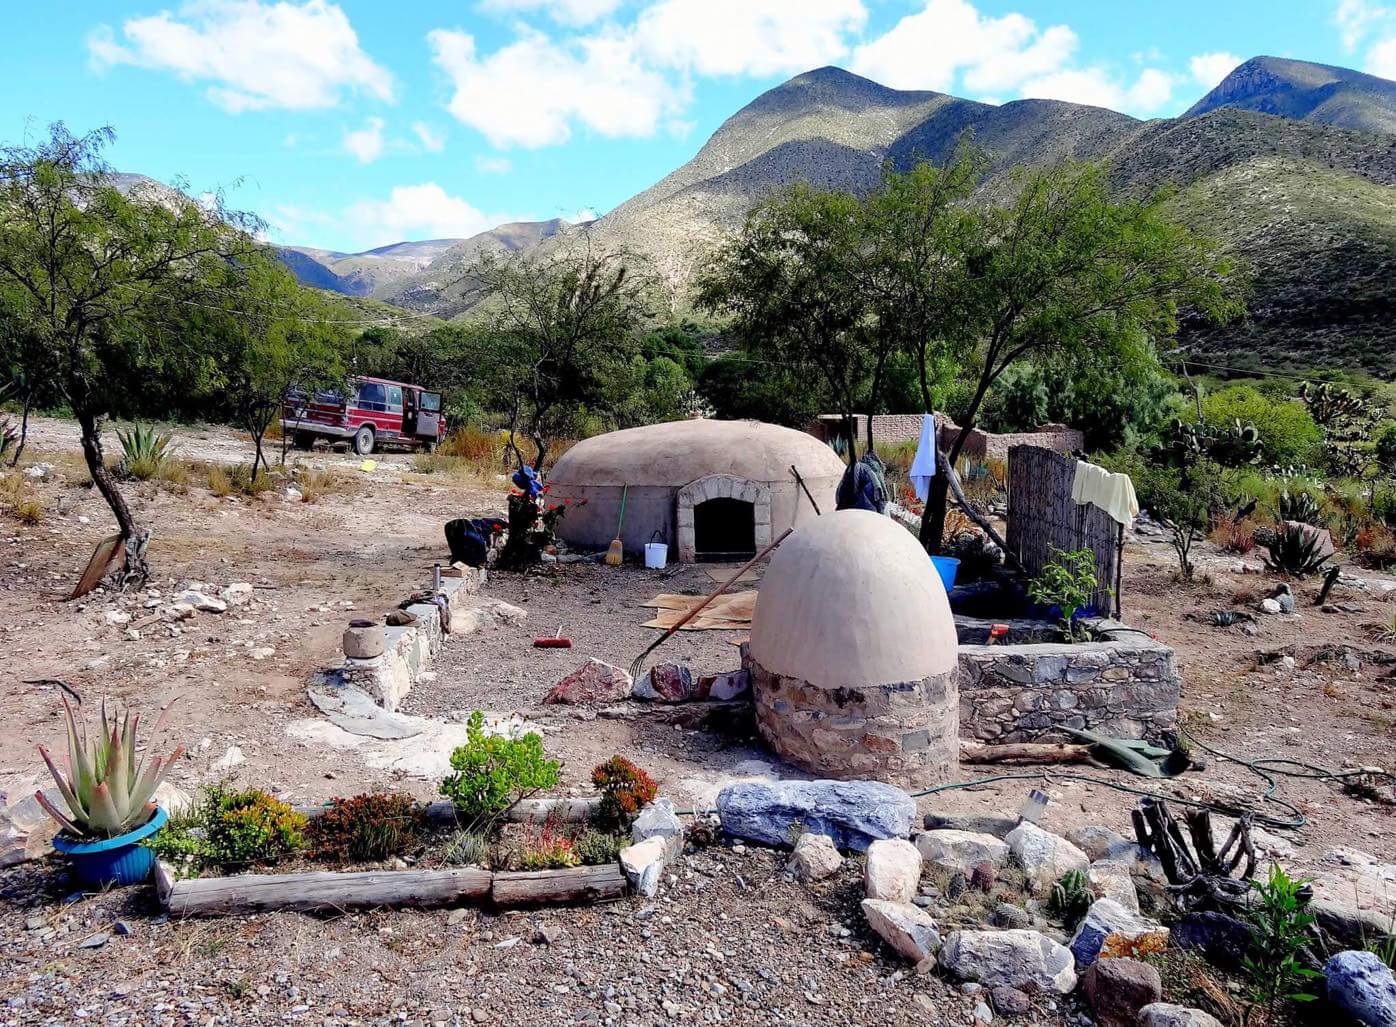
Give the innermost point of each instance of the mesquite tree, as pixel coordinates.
(105, 277)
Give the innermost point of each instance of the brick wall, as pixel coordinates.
(895, 429)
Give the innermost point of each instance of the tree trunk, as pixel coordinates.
(937, 501)
(23, 429)
(135, 571)
(872, 447)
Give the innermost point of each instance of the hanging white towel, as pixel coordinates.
(923, 467)
(1112, 492)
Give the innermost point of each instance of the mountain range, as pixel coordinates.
(1292, 164)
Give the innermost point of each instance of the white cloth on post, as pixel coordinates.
(923, 466)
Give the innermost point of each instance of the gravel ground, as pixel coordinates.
(729, 939)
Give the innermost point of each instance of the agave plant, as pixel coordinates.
(1296, 551)
(1298, 506)
(144, 450)
(107, 789)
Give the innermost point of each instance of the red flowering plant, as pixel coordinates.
(625, 790)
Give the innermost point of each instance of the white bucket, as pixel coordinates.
(656, 555)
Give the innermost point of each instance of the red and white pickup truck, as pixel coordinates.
(371, 413)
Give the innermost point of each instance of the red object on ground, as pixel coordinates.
(550, 642)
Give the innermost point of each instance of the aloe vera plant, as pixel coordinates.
(106, 788)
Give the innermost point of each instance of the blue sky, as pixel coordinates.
(355, 123)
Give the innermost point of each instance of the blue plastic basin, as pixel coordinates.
(947, 567)
(107, 861)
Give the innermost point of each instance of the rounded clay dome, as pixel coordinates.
(678, 452)
(852, 600)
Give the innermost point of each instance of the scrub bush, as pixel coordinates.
(250, 826)
(366, 828)
(493, 772)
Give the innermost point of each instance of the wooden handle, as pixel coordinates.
(725, 585)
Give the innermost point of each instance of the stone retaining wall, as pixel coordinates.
(906, 734)
(1126, 685)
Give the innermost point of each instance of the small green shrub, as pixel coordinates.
(549, 852)
(242, 480)
(467, 848)
(493, 772)
(366, 828)
(182, 843)
(249, 827)
(144, 451)
(596, 848)
(1068, 581)
(625, 789)
(1288, 432)
(1281, 926)
(1385, 447)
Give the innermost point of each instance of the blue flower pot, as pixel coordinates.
(113, 861)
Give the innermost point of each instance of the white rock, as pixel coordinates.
(237, 593)
(907, 928)
(1017, 959)
(229, 759)
(644, 865)
(1269, 606)
(815, 857)
(177, 611)
(262, 653)
(961, 850)
(1166, 1014)
(1107, 917)
(893, 870)
(1045, 857)
(658, 820)
(1112, 880)
(116, 618)
(202, 601)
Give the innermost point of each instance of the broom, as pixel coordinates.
(616, 553)
(639, 662)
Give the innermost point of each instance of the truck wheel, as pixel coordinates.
(303, 440)
(363, 441)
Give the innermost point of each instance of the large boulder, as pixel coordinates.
(815, 857)
(1354, 895)
(1118, 988)
(907, 928)
(593, 682)
(1111, 880)
(1361, 985)
(853, 813)
(1045, 857)
(893, 870)
(1107, 918)
(961, 850)
(1166, 1014)
(1015, 959)
(1223, 940)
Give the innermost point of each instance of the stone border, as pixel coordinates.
(720, 486)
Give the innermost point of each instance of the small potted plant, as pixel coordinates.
(108, 792)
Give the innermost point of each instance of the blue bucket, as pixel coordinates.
(120, 860)
(947, 567)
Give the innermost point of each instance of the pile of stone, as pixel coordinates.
(596, 682)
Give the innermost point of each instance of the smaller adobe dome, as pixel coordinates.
(850, 600)
(854, 654)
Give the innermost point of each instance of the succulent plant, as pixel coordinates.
(1297, 549)
(106, 788)
(1298, 506)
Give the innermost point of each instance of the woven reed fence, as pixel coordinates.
(1042, 517)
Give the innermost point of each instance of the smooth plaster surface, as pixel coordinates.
(852, 600)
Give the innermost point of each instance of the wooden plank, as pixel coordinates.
(327, 891)
(559, 887)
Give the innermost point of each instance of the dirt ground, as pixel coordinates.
(241, 679)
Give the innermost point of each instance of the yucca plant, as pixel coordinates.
(144, 450)
(107, 789)
(1296, 551)
(1298, 506)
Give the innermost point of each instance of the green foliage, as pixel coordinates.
(467, 848)
(1295, 551)
(493, 772)
(595, 848)
(740, 387)
(1288, 434)
(1281, 926)
(625, 790)
(106, 788)
(366, 828)
(250, 827)
(1298, 506)
(1067, 581)
(1385, 448)
(144, 451)
(1071, 897)
(182, 843)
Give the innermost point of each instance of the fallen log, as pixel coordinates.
(1026, 752)
(558, 887)
(322, 891)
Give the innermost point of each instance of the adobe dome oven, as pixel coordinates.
(719, 490)
(854, 654)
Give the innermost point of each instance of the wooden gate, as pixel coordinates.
(1042, 517)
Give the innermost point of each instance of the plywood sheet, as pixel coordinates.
(725, 613)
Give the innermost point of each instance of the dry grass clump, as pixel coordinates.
(219, 481)
(1376, 546)
(1234, 536)
(18, 499)
(316, 484)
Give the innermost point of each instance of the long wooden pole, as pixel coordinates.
(638, 663)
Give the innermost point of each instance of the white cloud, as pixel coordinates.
(1373, 25)
(566, 12)
(531, 92)
(581, 217)
(424, 211)
(493, 165)
(432, 141)
(366, 144)
(254, 55)
(748, 37)
(950, 43)
(1208, 69)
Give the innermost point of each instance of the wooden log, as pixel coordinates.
(1025, 752)
(327, 891)
(558, 887)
